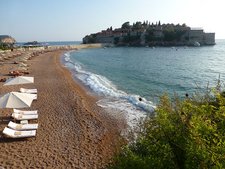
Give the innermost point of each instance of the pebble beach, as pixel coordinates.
(73, 131)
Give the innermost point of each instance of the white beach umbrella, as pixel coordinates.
(19, 80)
(15, 100)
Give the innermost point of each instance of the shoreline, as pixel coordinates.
(73, 131)
(121, 103)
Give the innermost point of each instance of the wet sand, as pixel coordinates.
(73, 131)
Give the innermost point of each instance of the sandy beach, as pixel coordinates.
(73, 131)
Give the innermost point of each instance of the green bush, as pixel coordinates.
(188, 133)
(4, 46)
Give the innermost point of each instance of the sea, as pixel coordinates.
(53, 43)
(130, 80)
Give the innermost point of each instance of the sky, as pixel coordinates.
(71, 20)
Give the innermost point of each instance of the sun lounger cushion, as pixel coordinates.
(16, 126)
(32, 91)
(32, 96)
(24, 117)
(25, 112)
(18, 134)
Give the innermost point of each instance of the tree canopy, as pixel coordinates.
(126, 25)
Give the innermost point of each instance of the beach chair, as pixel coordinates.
(30, 91)
(17, 116)
(32, 96)
(18, 134)
(25, 112)
(16, 126)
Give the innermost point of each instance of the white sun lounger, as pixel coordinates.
(25, 112)
(16, 126)
(31, 91)
(32, 96)
(18, 134)
(24, 117)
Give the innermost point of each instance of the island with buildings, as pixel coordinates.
(152, 34)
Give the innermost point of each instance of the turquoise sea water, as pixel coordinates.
(54, 43)
(124, 74)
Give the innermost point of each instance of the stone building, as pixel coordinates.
(209, 39)
(198, 35)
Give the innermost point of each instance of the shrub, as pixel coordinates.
(188, 133)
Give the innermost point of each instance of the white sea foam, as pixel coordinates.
(67, 56)
(131, 105)
(132, 113)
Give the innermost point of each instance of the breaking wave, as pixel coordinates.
(132, 105)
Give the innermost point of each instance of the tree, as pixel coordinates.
(184, 25)
(145, 24)
(110, 28)
(126, 25)
(169, 35)
(159, 23)
(149, 35)
(89, 39)
(132, 40)
(137, 26)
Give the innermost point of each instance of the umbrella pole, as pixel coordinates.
(1, 116)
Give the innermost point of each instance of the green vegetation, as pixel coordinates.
(188, 133)
(91, 38)
(149, 37)
(132, 40)
(4, 46)
(126, 25)
(173, 35)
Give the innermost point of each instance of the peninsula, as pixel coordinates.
(152, 34)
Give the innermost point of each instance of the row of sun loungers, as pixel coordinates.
(15, 130)
(23, 129)
(22, 55)
(7, 55)
(19, 57)
(14, 55)
(32, 92)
